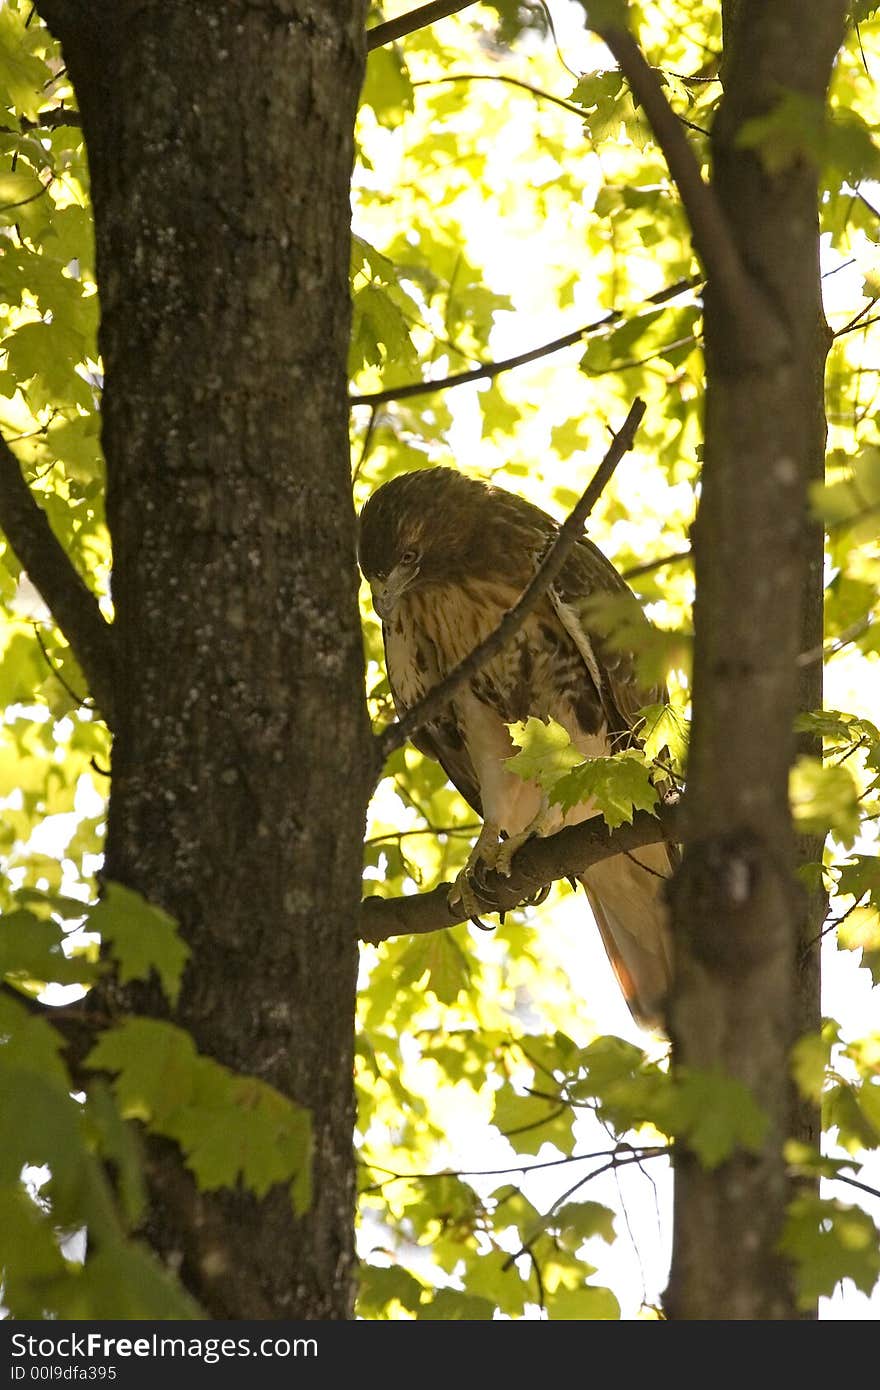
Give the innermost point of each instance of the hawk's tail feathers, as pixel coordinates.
(627, 896)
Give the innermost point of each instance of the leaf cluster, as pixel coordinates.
(62, 1136)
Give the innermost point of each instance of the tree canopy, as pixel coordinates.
(522, 269)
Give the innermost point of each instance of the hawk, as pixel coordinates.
(446, 557)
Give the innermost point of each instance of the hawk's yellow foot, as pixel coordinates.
(500, 858)
(469, 892)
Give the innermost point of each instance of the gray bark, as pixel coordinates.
(220, 147)
(739, 913)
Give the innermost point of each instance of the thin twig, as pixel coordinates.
(537, 92)
(82, 700)
(865, 323)
(487, 371)
(634, 362)
(395, 1176)
(555, 1099)
(857, 321)
(423, 830)
(834, 923)
(835, 270)
(365, 444)
(560, 1109)
(559, 53)
(854, 1182)
(31, 198)
(648, 566)
(568, 534)
(615, 1161)
(827, 650)
(408, 23)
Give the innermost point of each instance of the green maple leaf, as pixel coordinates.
(589, 1303)
(142, 938)
(619, 786)
(664, 730)
(828, 1242)
(545, 752)
(715, 1113)
(229, 1126)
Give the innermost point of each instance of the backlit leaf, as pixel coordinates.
(829, 1241)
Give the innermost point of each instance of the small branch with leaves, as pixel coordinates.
(488, 371)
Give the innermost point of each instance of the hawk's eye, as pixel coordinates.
(409, 557)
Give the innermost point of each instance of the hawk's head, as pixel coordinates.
(437, 526)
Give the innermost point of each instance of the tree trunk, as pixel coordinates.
(738, 909)
(220, 147)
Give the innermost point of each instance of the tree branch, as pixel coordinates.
(713, 239)
(408, 23)
(568, 533)
(648, 566)
(46, 120)
(537, 92)
(539, 862)
(72, 604)
(489, 370)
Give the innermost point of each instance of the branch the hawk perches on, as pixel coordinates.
(446, 557)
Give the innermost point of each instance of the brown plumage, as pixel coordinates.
(446, 557)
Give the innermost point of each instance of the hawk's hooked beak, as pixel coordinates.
(387, 592)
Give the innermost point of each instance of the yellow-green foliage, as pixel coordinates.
(501, 199)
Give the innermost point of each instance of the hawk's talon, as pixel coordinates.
(477, 879)
(465, 898)
(539, 897)
(503, 853)
(465, 894)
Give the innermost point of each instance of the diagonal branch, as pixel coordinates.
(408, 23)
(539, 862)
(713, 239)
(550, 566)
(489, 370)
(72, 604)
